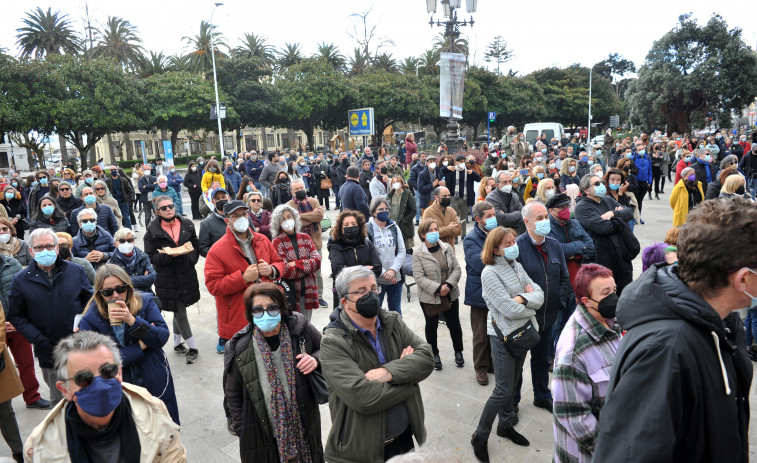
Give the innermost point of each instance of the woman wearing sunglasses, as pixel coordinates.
(133, 321)
(133, 260)
(265, 368)
(259, 217)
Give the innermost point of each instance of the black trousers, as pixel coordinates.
(658, 177)
(400, 446)
(641, 192)
(452, 318)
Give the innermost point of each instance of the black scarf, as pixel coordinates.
(121, 427)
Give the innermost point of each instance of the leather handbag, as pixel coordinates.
(315, 380)
(436, 309)
(520, 341)
(326, 183)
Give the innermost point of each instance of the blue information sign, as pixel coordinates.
(144, 152)
(168, 152)
(360, 121)
(492, 116)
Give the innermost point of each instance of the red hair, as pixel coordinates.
(586, 274)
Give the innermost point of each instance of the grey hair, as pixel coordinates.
(163, 177)
(156, 200)
(297, 181)
(727, 160)
(85, 212)
(526, 211)
(378, 201)
(480, 207)
(276, 219)
(348, 275)
(83, 341)
(39, 233)
(687, 171)
(437, 190)
(585, 182)
(426, 454)
(123, 233)
(698, 152)
(501, 173)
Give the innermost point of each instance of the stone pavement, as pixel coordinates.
(453, 399)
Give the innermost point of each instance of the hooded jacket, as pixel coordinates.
(679, 390)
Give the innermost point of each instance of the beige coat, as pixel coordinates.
(313, 217)
(113, 204)
(10, 384)
(449, 225)
(428, 274)
(159, 436)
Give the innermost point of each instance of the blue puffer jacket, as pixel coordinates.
(9, 267)
(149, 367)
(103, 242)
(136, 265)
(105, 219)
(644, 164)
(573, 239)
(426, 184)
(473, 243)
(44, 313)
(554, 280)
(254, 169)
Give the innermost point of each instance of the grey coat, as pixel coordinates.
(507, 209)
(500, 283)
(428, 274)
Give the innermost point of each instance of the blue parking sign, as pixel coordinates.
(492, 116)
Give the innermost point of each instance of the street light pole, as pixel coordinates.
(215, 78)
(588, 128)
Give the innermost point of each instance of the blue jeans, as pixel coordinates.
(417, 206)
(393, 296)
(751, 327)
(753, 186)
(557, 328)
(507, 373)
(264, 190)
(335, 188)
(539, 367)
(631, 223)
(124, 207)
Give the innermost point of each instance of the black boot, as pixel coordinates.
(513, 435)
(480, 448)
(437, 362)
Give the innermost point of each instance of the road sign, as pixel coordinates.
(492, 116)
(168, 152)
(213, 111)
(361, 122)
(614, 121)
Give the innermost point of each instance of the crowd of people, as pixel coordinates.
(547, 234)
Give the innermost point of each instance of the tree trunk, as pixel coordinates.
(262, 139)
(174, 137)
(129, 146)
(113, 159)
(63, 150)
(309, 129)
(293, 145)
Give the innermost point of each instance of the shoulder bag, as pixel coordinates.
(520, 340)
(326, 183)
(315, 380)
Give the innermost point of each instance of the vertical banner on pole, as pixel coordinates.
(451, 85)
(144, 152)
(168, 152)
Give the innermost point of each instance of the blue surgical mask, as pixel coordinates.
(642, 152)
(629, 154)
(600, 191)
(43, 181)
(544, 151)
(9, 196)
(34, 183)
(599, 152)
(491, 223)
(101, 397)
(615, 186)
(267, 322)
(48, 210)
(572, 169)
(512, 252)
(585, 159)
(91, 180)
(45, 258)
(539, 175)
(590, 162)
(542, 227)
(752, 304)
(432, 237)
(382, 216)
(90, 199)
(88, 227)
(687, 159)
(708, 158)
(249, 188)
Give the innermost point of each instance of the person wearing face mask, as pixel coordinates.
(302, 169)
(734, 185)
(618, 188)
(444, 215)
(310, 214)
(586, 346)
(254, 168)
(513, 300)
(569, 173)
(145, 185)
(606, 221)
(703, 368)
(121, 189)
(388, 352)
(544, 190)
(14, 206)
(239, 258)
(687, 193)
(232, 178)
(213, 227)
(389, 242)
(402, 210)
(543, 259)
(428, 179)
(164, 189)
(92, 242)
(66, 201)
(41, 319)
(277, 349)
(212, 174)
(301, 258)
(728, 167)
(506, 204)
(134, 261)
(437, 273)
(132, 319)
(103, 417)
(193, 182)
(103, 196)
(48, 215)
(171, 243)
(281, 193)
(379, 184)
(39, 188)
(11, 245)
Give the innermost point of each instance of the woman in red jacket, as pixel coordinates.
(411, 148)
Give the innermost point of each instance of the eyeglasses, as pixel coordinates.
(120, 289)
(256, 200)
(85, 377)
(64, 189)
(89, 220)
(99, 189)
(4, 229)
(126, 240)
(47, 247)
(384, 210)
(167, 207)
(362, 291)
(272, 310)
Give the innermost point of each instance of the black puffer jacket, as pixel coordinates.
(176, 282)
(679, 390)
(247, 403)
(343, 254)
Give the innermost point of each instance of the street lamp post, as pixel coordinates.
(588, 128)
(452, 32)
(215, 78)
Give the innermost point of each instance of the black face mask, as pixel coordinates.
(345, 161)
(368, 305)
(220, 204)
(445, 202)
(351, 233)
(165, 219)
(300, 195)
(740, 190)
(606, 307)
(64, 252)
(384, 170)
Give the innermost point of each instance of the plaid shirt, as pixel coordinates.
(583, 362)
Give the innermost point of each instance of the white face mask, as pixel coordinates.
(125, 248)
(445, 163)
(5, 237)
(241, 225)
(396, 185)
(287, 225)
(193, 168)
(549, 193)
(506, 189)
(432, 166)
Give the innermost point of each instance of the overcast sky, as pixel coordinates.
(540, 33)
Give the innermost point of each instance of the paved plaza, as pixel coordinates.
(452, 397)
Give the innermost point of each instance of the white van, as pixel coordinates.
(550, 129)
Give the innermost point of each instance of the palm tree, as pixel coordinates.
(429, 62)
(178, 63)
(442, 43)
(330, 54)
(358, 63)
(199, 57)
(119, 41)
(156, 63)
(290, 55)
(47, 33)
(386, 62)
(410, 65)
(255, 46)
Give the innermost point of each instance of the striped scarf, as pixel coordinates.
(305, 206)
(302, 275)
